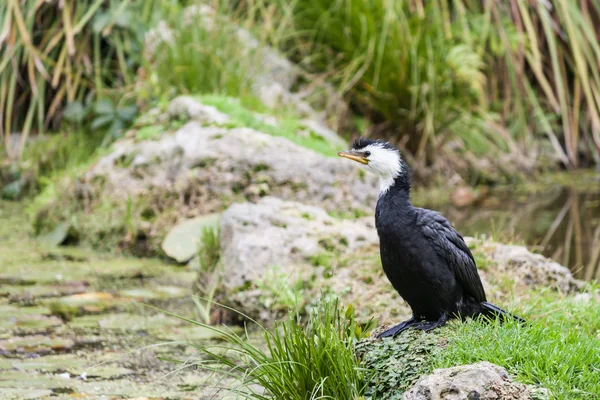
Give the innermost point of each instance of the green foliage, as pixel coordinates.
(413, 73)
(286, 126)
(206, 54)
(312, 359)
(68, 58)
(46, 158)
(494, 74)
(209, 274)
(397, 364)
(278, 293)
(549, 81)
(209, 253)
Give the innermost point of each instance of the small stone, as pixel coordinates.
(183, 241)
(482, 381)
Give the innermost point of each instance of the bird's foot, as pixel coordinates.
(398, 329)
(427, 326)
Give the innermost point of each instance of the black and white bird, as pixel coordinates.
(423, 256)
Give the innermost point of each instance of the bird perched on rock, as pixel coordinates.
(423, 256)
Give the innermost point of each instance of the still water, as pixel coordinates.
(560, 219)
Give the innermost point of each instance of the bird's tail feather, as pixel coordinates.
(492, 310)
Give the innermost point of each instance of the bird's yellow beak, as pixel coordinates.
(354, 156)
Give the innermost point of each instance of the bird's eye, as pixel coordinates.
(367, 153)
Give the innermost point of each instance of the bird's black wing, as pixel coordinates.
(451, 247)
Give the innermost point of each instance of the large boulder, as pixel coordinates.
(533, 269)
(283, 234)
(220, 163)
(482, 381)
(278, 255)
(525, 267)
(144, 186)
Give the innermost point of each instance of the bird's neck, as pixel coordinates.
(398, 185)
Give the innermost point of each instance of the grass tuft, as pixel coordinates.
(297, 360)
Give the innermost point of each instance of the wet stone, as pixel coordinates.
(29, 380)
(161, 292)
(30, 319)
(107, 372)
(34, 345)
(84, 303)
(23, 394)
(132, 322)
(42, 291)
(73, 364)
(35, 323)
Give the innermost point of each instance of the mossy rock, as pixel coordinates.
(397, 363)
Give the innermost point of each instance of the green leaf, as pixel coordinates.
(101, 121)
(13, 190)
(127, 113)
(100, 22)
(104, 106)
(116, 128)
(123, 19)
(74, 112)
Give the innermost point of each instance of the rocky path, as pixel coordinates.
(73, 323)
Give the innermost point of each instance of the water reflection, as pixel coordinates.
(561, 223)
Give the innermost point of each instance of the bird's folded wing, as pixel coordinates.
(451, 247)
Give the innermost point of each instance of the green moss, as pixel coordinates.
(307, 216)
(398, 363)
(287, 126)
(66, 312)
(353, 213)
(150, 132)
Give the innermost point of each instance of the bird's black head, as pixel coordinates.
(381, 158)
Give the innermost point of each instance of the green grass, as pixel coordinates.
(57, 58)
(299, 359)
(494, 75)
(286, 125)
(325, 354)
(205, 55)
(559, 351)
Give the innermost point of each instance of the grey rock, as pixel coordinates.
(183, 240)
(534, 269)
(482, 381)
(214, 161)
(188, 107)
(284, 234)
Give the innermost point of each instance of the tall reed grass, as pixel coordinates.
(53, 53)
(494, 74)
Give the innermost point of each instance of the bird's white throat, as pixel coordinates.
(384, 162)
